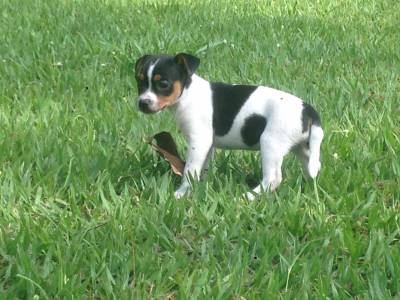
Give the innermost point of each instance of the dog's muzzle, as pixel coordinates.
(145, 106)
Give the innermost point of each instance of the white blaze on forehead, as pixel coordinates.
(150, 73)
(148, 94)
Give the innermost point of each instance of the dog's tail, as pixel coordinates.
(315, 140)
(312, 120)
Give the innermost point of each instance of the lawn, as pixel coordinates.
(87, 209)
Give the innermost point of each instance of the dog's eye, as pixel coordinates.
(163, 84)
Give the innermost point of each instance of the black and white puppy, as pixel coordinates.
(218, 115)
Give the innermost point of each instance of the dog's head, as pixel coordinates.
(161, 79)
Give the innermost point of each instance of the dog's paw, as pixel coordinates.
(180, 192)
(250, 196)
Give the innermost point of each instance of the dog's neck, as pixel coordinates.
(195, 87)
(192, 104)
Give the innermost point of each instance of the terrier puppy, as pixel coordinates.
(219, 115)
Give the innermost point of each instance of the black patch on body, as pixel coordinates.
(252, 129)
(227, 100)
(309, 117)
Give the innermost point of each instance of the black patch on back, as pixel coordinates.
(309, 117)
(227, 101)
(252, 129)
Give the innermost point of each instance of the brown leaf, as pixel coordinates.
(165, 145)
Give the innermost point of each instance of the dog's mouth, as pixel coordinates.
(149, 110)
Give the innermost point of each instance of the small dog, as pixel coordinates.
(218, 115)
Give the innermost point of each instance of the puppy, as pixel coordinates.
(218, 115)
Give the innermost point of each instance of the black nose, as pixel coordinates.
(144, 105)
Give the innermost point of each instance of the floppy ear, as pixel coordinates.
(140, 63)
(189, 62)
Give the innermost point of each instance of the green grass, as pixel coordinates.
(87, 209)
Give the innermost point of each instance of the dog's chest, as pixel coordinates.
(194, 111)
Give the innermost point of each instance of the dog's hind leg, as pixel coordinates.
(309, 152)
(273, 150)
(303, 154)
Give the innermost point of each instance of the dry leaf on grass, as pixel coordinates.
(165, 145)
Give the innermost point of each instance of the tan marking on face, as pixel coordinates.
(164, 101)
(157, 77)
(141, 76)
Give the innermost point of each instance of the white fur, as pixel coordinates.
(193, 112)
(314, 165)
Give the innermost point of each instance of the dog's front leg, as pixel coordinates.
(199, 148)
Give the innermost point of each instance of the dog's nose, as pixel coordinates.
(144, 104)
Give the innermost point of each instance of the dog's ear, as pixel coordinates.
(140, 63)
(189, 62)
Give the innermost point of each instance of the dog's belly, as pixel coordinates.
(233, 140)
